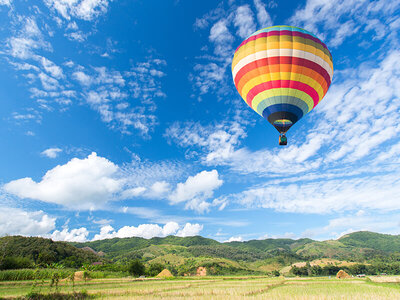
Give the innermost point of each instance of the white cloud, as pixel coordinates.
(51, 68)
(263, 17)
(83, 78)
(218, 141)
(244, 21)
(15, 221)
(87, 183)
(196, 190)
(28, 39)
(378, 193)
(335, 21)
(234, 239)
(208, 76)
(222, 39)
(190, 230)
(157, 190)
(339, 132)
(74, 235)
(134, 192)
(48, 82)
(77, 36)
(104, 90)
(51, 152)
(359, 221)
(6, 2)
(81, 9)
(148, 231)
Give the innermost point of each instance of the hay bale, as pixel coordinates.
(342, 274)
(80, 275)
(201, 271)
(165, 274)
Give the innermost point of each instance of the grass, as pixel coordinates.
(218, 287)
(31, 274)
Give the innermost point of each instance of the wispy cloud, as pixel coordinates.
(81, 9)
(27, 40)
(338, 20)
(360, 220)
(51, 152)
(244, 21)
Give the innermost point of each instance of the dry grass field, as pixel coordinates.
(221, 288)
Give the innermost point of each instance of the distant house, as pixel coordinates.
(360, 275)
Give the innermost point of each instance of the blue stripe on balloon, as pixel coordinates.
(283, 108)
(283, 27)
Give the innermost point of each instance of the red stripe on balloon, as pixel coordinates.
(282, 84)
(277, 60)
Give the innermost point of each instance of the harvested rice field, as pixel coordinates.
(215, 288)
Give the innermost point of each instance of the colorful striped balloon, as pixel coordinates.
(282, 72)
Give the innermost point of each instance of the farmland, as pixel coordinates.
(219, 287)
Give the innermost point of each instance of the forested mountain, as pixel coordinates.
(188, 252)
(43, 251)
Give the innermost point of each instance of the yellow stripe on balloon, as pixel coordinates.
(281, 52)
(262, 44)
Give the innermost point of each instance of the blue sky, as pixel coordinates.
(120, 118)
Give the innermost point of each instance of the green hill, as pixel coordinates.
(372, 240)
(45, 251)
(187, 253)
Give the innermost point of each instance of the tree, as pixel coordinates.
(136, 268)
(154, 269)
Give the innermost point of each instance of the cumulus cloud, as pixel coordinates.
(15, 221)
(196, 190)
(190, 230)
(234, 239)
(51, 152)
(74, 235)
(148, 231)
(87, 183)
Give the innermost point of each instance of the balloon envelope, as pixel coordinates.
(282, 72)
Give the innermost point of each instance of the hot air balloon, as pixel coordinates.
(282, 73)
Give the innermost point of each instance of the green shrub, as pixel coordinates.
(136, 268)
(154, 269)
(11, 262)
